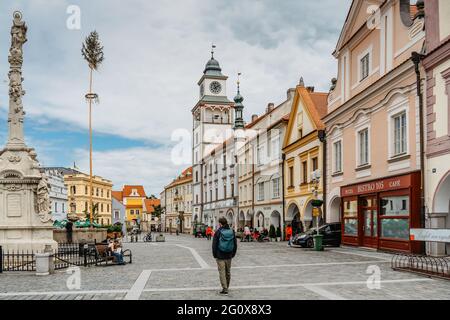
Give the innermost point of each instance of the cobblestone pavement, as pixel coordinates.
(183, 268)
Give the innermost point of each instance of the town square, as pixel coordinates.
(185, 151)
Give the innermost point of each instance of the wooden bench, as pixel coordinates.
(103, 253)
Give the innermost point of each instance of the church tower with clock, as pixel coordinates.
(213, 117)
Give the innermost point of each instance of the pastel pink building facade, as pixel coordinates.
(373, 136)
(437, 93)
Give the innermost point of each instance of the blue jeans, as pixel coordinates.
(119, 257)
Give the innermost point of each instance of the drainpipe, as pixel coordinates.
(323, 140)
(283, 203)
(253, 189)
(236, 183)
(416, 58)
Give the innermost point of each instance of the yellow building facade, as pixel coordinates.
(178, 203)
(78, 196)
(303, 152)
(133, 199)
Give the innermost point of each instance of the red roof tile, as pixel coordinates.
(127, 190)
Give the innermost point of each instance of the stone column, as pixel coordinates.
(25, 219)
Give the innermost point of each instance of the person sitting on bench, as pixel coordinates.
(117, 253)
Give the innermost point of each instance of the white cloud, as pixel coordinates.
(151, 168)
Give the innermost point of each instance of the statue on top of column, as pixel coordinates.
(16, 112)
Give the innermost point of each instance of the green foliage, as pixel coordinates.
(92, 51)
(94, 213)
(115, 228)
(158, 211)
(272, 233)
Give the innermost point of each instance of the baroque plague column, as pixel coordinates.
(25, 219)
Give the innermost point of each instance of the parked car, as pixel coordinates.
(331, 236)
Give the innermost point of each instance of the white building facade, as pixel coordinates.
(58, 193)
(213, 118)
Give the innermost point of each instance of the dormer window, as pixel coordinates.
(134, 193)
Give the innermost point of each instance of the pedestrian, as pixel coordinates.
(247, 233)
(69, 231)
(117, 253)
(289, 234)
(224, 249)
(209, 232)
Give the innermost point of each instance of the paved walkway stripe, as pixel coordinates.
(386, 258)
(138, 286)
(311, 264)
(324, 293)
(197, 257)
(293, 285)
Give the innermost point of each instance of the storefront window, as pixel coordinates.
(395, 206)
(395, 228)
(351, 217)
(395, 217)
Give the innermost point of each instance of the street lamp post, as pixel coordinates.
(317, 203)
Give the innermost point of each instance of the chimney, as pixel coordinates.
(290, 93)
(254, 117)
(270, 107)
(310, 89)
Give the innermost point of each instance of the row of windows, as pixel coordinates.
(399, 143)
(216, 193)
(275, 184)
(304, 171)
(96, 191)
(101, 207)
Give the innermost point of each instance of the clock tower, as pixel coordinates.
(213, 118)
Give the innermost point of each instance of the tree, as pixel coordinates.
(92, 52)
(158, 211)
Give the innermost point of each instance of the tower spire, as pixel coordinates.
(238, 106)
(213, 46)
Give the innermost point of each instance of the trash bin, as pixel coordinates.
(318, 242)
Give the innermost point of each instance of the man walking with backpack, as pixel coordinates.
(224, 248)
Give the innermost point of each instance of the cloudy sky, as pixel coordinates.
(155, 52)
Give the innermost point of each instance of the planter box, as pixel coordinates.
(81, 235)
(160, 238)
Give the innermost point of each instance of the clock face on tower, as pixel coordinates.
(215, 87)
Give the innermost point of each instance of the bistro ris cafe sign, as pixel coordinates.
(395, 183)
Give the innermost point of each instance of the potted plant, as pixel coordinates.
(278, 234)
(272, 234)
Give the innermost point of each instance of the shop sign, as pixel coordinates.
(377, 186)
(432, 235)
(316, 212)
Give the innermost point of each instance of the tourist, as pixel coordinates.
(69, 231)
(224, 248)
(110, 246)
(247, 233)
(289, 234)
(209, 232)
(117, 253)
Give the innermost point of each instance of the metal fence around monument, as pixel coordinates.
(67, 255)
(17, 260)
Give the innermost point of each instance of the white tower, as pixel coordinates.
(212, 125)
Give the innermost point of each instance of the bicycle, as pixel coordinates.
(148, 237)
